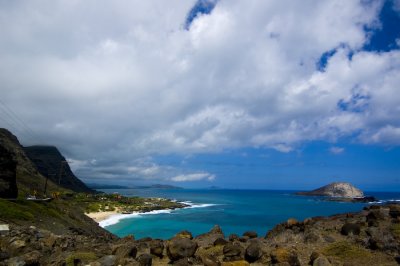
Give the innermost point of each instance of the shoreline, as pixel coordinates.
(107, 218)
(101, 216)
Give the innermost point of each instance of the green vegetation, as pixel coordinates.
(396, 229)
(80, 257)
(116, 202)
(345, 250)
(14, 211)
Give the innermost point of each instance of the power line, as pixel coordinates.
(18, 122)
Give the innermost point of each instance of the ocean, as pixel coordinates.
(236, 211)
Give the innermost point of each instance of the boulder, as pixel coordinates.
(394, 211)
(220, 242)
(250, 234)
(321, 261)
(145, 260)
(109, 260)
(233, 237)
(157, 248)
(253, 251)
(128, 250)
(8, 174)
(184, 234)
(283, 255)
(179, 248)
(350, 229)
(233, 251)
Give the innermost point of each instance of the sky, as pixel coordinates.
(256, 94)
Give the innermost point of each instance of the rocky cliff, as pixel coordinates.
(50, 163)
(8, 175)
(337, 189)
(28, 179)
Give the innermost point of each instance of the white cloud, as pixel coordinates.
(336, 150)
(193, 177)
(124, 80)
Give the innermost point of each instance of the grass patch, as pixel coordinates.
(80, 257)
(345, 250)
(395, 230)
(14, 211)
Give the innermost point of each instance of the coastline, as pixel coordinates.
(101, 216)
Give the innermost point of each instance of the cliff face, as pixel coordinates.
(8, 175)
(338, 189)
(28, 179)
(50, 163)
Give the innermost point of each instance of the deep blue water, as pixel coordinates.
(236, 211)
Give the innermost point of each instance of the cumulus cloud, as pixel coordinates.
(122, 81)
(193, 177)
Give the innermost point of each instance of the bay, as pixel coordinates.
(236, 211)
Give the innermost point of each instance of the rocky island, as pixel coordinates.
(339, 191)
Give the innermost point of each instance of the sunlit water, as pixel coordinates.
(236, 211)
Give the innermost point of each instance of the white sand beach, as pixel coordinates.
(101, 216)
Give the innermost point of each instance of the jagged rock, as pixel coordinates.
(253, 251)
(233, 251)
(216, 230)
(220, 241)
(127, 250)
(321, 261)
(8, 174)
(244, 239)
(109, 260)
(250, 234)
(233, 237)
(394, 211)
(145, 260)
(32, 258)
(184, 234)
(179, 248)
(350, 229)
(283, 255)
(16, 261)
(291, 222)
(157, 247)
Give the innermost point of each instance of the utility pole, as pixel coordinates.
(61, 170)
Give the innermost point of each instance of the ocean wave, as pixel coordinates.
(114, 219)
(385, 201)
(197, 205)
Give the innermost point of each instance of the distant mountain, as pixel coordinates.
(26, 175)
(105, 186)
(337, 189)
(158, 186)
(50, 163)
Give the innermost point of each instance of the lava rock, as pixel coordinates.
(253, 252)
(250, 234)
(220, 242)
(350, 229)
(233, 251)
(145, 260)
(179, 248)
(157, 247)
(184, 234)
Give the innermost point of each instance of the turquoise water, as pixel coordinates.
(236, 211)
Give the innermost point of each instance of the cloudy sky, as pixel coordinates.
(230, 93)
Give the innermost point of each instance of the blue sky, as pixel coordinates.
(237, 94)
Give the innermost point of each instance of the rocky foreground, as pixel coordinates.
(370, 237)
